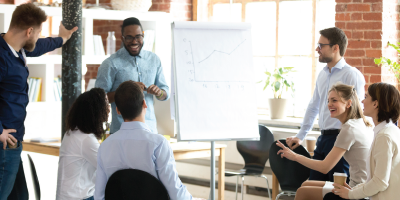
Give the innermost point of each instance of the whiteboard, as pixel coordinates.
(213, 84)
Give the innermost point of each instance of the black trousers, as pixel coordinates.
(325, 144)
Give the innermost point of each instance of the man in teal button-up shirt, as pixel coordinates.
(133, 63)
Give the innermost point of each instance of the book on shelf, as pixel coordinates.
(57, 89)
(98, 46)
(35, 89)
(38, 91)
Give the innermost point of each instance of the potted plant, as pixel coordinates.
(394, 67)
(279, 81)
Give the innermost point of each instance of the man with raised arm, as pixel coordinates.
(331, 48)
(20, 41)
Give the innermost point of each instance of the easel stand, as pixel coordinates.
(212, 182)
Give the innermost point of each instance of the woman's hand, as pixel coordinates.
(286, 152)
(343, 191)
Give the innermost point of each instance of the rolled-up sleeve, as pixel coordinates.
(166, 170)
(382, 155)
(160, 81)
(105, 75)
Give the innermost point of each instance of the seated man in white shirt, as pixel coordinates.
(134, 146)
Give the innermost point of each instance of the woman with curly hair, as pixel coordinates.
(78, 152)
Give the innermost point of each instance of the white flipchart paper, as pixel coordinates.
(213, 84)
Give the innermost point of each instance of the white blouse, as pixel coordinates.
(384, 166)
(77, 166)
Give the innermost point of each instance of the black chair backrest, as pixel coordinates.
(131, 184)
(35, 179)
(256, 153)
(290, 174)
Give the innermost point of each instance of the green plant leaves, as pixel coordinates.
(394, 67)
(280, 81)
(277, 85)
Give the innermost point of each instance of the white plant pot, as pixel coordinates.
(277, 108)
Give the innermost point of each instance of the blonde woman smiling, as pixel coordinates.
(352, 143)
(382, 103)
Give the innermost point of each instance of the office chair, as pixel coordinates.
(133, 184)
(290, 174)
(255, 155)
(35, 180)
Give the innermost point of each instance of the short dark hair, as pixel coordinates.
(388, 98)
(129, 100)
(27, 15)
(337, 36)
(130, 21)
(88, 112)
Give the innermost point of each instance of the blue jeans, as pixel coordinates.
(90, 198)
(325, 144)
(12, 177)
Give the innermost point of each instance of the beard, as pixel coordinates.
(323, 59)
(127, 49)
(30, 45)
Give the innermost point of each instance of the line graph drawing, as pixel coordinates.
(217, 51)
(198, 72)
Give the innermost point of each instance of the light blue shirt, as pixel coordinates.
(341, 72)
(121, 67)
(135, 147)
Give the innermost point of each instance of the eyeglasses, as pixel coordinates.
(321, 45)
(129, 38)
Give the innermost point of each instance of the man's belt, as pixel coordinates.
(330, 132)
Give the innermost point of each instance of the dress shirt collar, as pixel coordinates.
(141, 53)
(11, 48)
(381, 126)
(134, 125)
(338, 65)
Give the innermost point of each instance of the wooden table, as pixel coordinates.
(182, 150)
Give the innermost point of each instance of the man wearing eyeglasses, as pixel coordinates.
(331, 48)
(132, 63)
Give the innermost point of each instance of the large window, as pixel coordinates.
(285, 34)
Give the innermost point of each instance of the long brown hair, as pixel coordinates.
(348, 92)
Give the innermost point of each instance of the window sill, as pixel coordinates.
(289, 122)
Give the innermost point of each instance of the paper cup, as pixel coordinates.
(311, 142)
(339, 178)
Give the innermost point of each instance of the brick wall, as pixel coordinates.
(6, 1)
(369, 25)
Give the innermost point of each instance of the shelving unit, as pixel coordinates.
(44, 118)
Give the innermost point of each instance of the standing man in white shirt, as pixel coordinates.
(331, 48)
(135, 146)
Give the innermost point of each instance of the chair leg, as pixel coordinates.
(237, 183)
(242, 189)
(269, 192)
(279, 195)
